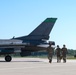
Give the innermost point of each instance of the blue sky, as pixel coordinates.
(20, 17)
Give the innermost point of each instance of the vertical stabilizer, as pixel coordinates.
(44, 28)
(42, 31)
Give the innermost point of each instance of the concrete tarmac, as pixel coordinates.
(37, 66)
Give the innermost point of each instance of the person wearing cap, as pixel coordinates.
(50, 51)
(64, 52)
(58, 53)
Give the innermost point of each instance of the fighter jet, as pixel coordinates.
(37, 40)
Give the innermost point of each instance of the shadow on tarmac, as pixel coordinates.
(26, 61)
(2, 61)
(23, 61)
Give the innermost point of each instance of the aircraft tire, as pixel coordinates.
(8, 58)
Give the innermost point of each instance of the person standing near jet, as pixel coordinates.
(58, 53)
(50, 51)
(64, 52)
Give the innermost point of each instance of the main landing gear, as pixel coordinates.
(8, 58)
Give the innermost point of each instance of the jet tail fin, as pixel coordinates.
(44, 29)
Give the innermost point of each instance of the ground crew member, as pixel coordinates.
(64, 52)
(58, 53)
(50, 51)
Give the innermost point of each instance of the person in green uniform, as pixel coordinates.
(64, 52)
(58, 53)
(50, 51)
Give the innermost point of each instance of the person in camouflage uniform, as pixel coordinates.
(64, 52)
(50, 51)
(58, 53)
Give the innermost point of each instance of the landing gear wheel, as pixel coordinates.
(8, 58)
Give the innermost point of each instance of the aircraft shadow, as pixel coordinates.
(2, 61)
(26, 61)
(23, 61)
